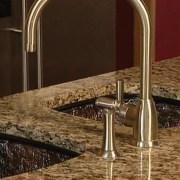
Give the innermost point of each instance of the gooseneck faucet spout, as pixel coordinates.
(143, 116)
(145, 124)
(145, 90)
(32, 21)
(145, 129)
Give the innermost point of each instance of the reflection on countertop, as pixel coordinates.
(30, 115)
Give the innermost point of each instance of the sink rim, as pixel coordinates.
(20, 155)
(126, 95)
(88, 110)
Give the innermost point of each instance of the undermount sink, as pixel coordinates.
(19, 155)
(168, 110)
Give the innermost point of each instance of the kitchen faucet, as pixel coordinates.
(32, 22)
(145, 123)
(142, 116)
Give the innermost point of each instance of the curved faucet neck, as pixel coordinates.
(145, 80)
(146, 62)
(32, 21)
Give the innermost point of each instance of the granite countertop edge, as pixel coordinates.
(31, 115)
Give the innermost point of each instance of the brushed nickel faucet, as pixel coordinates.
(145, 123)
(32, 23)
(143, 116)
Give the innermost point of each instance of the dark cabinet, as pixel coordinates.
(78, 41)
(5, 8)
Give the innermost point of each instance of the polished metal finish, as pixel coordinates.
(39, 55)
(145, 128)
(15, 30)
(108, 147)
(145, 131)
(119, 90)
(25, 54)
(25, 65)
(32, 22)
(34, 36)
(146, 63)
(105, 102)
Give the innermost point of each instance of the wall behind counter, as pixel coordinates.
(167, 29)
(78, 39)
(124, 34)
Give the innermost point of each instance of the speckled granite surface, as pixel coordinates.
(31, 115)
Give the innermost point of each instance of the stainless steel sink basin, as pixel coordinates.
(168, 110)
(20, 155)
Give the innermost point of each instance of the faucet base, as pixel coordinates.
(109, 155)
(145, 144)
(145, 129)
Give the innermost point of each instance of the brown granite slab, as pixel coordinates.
(31, 115)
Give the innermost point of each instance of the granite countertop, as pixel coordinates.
(31, 115)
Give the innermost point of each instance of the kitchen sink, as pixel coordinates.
(168, 110)
(18, 155)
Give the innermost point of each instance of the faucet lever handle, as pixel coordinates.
(108, 147)
(120, 90)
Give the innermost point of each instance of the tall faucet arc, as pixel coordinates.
(145, 130)
(32, 23)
